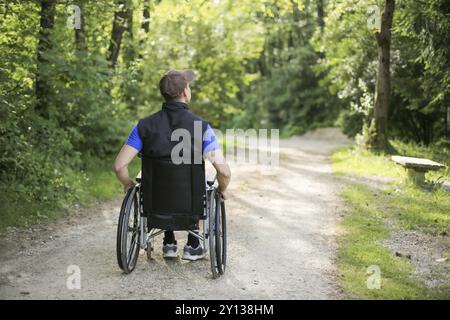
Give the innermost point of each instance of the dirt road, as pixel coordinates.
(281, 232)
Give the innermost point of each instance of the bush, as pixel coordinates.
(351, 122)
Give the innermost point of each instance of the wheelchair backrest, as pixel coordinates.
(167, 188)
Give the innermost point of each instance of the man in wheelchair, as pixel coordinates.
(153, 140)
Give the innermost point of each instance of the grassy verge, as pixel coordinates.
(357, 161)
(98, 182)
(371, 218)
(102, 183)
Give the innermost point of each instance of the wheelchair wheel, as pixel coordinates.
(221, 234)
(217, 234)
(128, 232)
(211, 235)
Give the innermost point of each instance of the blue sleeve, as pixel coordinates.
(210, 142)
(134, 140)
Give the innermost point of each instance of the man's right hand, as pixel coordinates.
(128, 186)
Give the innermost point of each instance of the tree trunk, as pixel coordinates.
(145, 25)
(130, 51)
(297, 31)
(146, 15)
(119, 27)
(262, 64)
(383, 88)
(321, 23)
(80, 36)
(447, 122)
(47, 21)
(320, 15)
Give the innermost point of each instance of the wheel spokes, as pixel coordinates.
(132, 248)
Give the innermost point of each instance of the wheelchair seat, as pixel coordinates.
(173, 196)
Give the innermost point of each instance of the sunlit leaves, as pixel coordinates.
(214, 39)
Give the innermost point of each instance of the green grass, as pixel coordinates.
(365, 226)
(358, 161)
(19, 212)
(97, 183)
(416, 209)
(102, 183)
(372, 216)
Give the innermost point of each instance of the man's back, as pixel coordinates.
(156, 131)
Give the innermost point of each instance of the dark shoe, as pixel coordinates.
(193, 254)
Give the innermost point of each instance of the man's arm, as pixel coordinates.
(223, 170)
(125, 156)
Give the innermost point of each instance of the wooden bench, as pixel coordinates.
(417, 167)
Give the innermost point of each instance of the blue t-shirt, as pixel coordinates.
(209, 140)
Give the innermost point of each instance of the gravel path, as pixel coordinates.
(281, 233)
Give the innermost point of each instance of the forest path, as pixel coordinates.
(281, 232)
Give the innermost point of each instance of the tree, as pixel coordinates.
(146, 16)
(80, 36)
(130, 50)
(119, 27)
(288, 95)
(320, 14)
(421, 30)
(47, 21)
(383, 87)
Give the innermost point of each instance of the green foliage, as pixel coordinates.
(426, 24)
(420, 65)
(350, 60)
(41, 162)
(265, 64)
(367, 138)
(351, 122)
(287, 95)
(290, 98)
(216, 40)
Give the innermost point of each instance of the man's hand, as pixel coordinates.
(225, 195)
(128, 186)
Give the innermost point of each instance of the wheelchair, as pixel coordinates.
(171, 197)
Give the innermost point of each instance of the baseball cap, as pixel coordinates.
(174, 82)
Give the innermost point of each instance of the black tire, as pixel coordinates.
(212, 235)
(127, 254)
(221, 235)
(119, 233)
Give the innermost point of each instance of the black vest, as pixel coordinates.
(156, 130)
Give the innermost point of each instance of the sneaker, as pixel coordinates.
(193, 254)
(170, 250)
